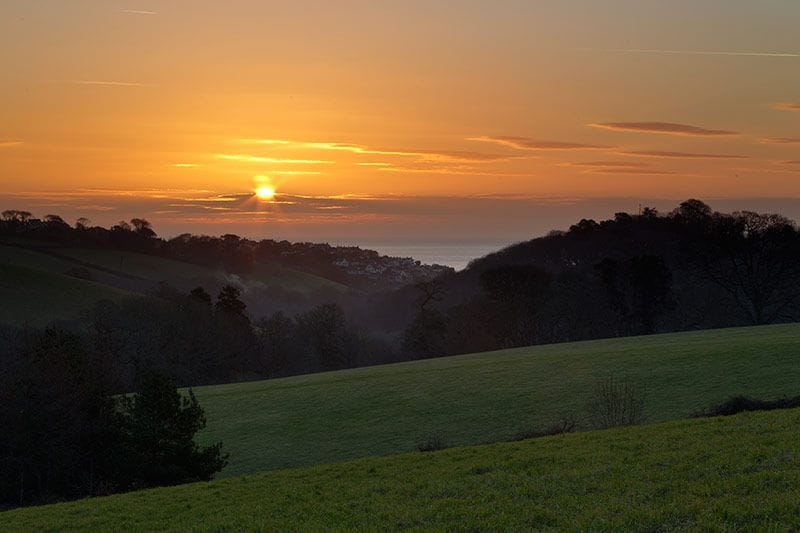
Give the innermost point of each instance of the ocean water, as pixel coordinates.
(453, 255)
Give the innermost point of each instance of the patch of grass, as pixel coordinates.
(732, 473)
(488, 397)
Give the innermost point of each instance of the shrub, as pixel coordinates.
(741, 404)
(616, 402)
(432, 443)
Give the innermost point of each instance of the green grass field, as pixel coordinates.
(735, 473)
(474, 399)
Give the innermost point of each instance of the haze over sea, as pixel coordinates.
(456, 255)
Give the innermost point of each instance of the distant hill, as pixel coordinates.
(734, 473)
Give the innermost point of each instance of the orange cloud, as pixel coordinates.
(9, 144)
(681, 155)
(665, 128)
(788, 106)
(524, 143)
(781, 140)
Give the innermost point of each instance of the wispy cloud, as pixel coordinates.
(452, 171)
(424, 154)
(637, 171)
(138, 12)
(787, 106)
(607, 164)
(106, 83)
(693, 52)
(666, 128)
(186, 165)
(781, 140)
(680, 155)
(797, 162)
(8, 143)
(296, 172)
(524, 143)
(276, 160)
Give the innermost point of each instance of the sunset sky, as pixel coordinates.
(408, 121)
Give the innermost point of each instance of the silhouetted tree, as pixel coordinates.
(143, 227)
(638, 289)
(16, 215)
(230, 304)
(516, 292)
(323, 331)
(276, 343)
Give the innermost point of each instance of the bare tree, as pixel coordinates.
(616, 402)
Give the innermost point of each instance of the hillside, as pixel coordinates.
(36, 297)
(41, 283)
(473, 399)
(732, 473)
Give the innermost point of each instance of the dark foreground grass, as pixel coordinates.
(732, 473)
(488, 397)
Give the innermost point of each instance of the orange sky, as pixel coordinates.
(182, 108)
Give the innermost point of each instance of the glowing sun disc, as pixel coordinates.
(265, 193)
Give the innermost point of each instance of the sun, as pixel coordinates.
(265, 192)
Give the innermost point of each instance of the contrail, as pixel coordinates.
(137, 12)
(689, 52)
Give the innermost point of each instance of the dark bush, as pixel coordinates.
(741, 404)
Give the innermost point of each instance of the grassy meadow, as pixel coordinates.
(487, 397)
(733, 473)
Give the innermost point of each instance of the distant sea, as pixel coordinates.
(454, 255)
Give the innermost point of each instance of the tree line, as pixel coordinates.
(691, 268)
